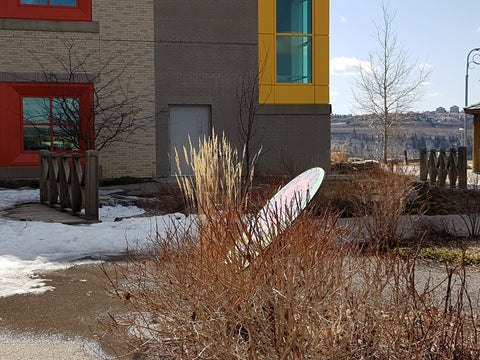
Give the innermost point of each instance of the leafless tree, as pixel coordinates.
(248, 106)
(388, 83)
(112, 114)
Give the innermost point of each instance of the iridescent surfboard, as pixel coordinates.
(279, 212)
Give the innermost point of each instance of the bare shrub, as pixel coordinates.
(382, 201)
(194, 304)
(311, 294)
(166, 199)
(467, 205)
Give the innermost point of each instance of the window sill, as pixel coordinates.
(295, 109)
(50, 25)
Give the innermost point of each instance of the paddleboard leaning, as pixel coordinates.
(279, 212)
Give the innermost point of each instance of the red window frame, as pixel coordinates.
(12, 9)
(12, 151)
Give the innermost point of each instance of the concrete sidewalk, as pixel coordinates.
(44, 213)
(44, 351)
(67, 323)
(41, 212)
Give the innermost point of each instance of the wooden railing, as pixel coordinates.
(67, 185)
(436, 166)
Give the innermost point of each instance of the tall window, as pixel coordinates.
(50, 124)
(293, 51)
(294, 41)
(43, 116)
(50, 2)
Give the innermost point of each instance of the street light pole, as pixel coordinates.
(470, 64)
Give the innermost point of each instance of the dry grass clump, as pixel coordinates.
(312, 294)
(217, 175)
(338, 155)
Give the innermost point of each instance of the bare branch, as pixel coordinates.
(249, 105)
(114, 113)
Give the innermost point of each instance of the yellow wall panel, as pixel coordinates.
(322, 95)
(321, 17)
(321, 60)
(266, 94)
(266, 16)
(266, 59)
(294, 94)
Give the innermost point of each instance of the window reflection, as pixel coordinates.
(63, 2)
(36, 110)
(294, 51)
(65, 110)
(65, 137)
(294, 16)
(50, 124)
(36, 138)
(51, 2)
(294, 59)
(34, 2)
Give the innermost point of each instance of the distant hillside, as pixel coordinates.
(431, 130)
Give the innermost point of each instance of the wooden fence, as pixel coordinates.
(67, 185)
(436, 166)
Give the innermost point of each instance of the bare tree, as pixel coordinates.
(112, 113)
(248, 106)
(388, 84)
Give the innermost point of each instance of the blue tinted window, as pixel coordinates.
(36, 138)
(51, 2)
(63, 2)
(50, 123)
(36, 110)
(65, 111)
(294, 16)
(34, 2)
(294, 59)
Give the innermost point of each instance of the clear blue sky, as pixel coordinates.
(439, 33)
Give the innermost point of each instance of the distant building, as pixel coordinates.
(441, 110)
(454, 109)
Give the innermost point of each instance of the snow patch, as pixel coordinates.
(21, 276)
(30, 247)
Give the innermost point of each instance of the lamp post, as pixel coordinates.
(470, 64)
